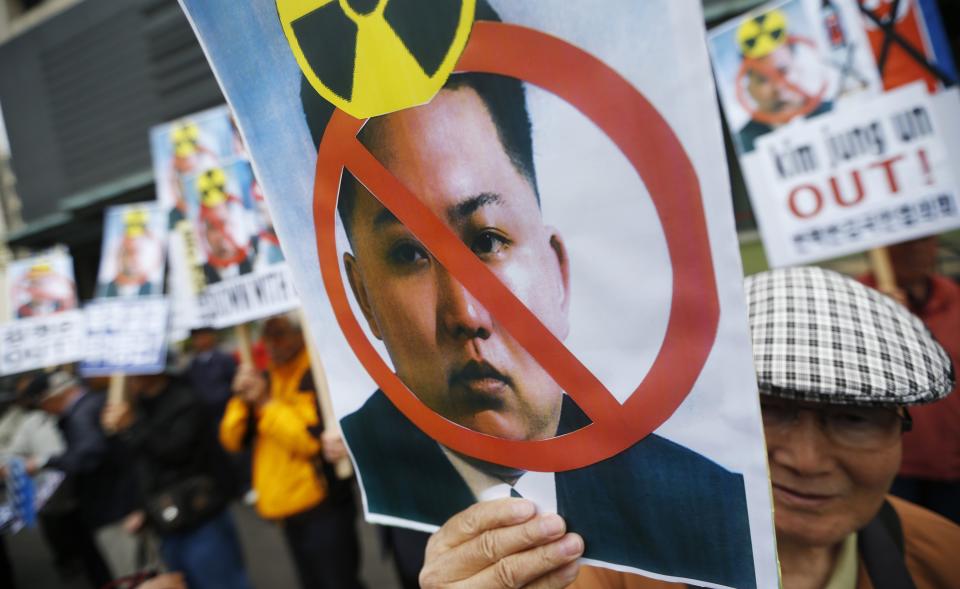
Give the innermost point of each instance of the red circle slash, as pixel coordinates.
(648, 142)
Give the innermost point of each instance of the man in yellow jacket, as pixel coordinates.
(277, 412)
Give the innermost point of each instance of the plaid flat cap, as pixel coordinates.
(821, 336)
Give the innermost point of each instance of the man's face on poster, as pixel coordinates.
(128, 259)
(445, 346)
(766, 82)
(215, 232)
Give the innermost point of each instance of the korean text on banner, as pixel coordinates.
(41, 342)
(470, 262)
(125, 335)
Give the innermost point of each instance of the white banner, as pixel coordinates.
(39, 342)
(855, 179)
(253, 296)
(126, 335)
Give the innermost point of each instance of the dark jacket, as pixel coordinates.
(98, 467)
(656, 506)
(172, 440)
(211, 377)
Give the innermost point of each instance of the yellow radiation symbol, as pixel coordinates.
(212, 187)
(762, 35)
(40, 269)
(135, 222)
(371, 57)
(184, 139)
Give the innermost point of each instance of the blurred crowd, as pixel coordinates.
(152, 468)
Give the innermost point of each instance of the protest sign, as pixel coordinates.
(537, 268)
(41, 285)
(133, 254)
(125, 335)
(222, 230)
(188, 145)
(41, 342)
(816, 95)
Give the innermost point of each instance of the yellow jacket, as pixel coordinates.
(284, 475)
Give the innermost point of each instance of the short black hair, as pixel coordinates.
(503, 97)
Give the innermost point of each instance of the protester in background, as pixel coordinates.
(100, 470)
(833, 431)
(70, 541)
(179, 468)
(930, 472)
(293, 485)
(211, 372)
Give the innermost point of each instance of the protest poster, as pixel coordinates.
(125, 335)
(838, 154)
(222, 230)
(41, 285)
(538, 288)
(186, 146)
(41, 341)
(133, 255)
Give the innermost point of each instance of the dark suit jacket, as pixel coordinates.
(656, 506)
(100, 467)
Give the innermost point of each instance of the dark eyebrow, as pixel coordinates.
(384, 217)
(455, 213)
(465, 208)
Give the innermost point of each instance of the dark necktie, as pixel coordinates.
(514, 493)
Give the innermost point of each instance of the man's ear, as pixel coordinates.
(360, 292)
(563, 261)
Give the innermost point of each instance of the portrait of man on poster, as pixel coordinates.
(468, 156)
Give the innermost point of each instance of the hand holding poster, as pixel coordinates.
(528, 284)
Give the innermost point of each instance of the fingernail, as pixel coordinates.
(572, 545)
(552, 524)
(523, 510)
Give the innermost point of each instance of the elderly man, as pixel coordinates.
(278, 411)
(96, 464)
(836, 365)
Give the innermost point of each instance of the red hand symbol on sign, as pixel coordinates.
(650, 145)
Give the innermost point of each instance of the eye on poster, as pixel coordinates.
(513, 230)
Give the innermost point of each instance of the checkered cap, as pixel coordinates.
(821, 336)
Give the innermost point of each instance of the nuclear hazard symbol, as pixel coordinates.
(650, 145)
(372, 57)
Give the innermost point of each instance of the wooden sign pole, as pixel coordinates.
(244, 346)
(116, 389)
(343, 468)
(883, 270)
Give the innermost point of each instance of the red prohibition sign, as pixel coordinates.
(648, 142)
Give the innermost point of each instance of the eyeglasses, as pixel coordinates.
(859, 428)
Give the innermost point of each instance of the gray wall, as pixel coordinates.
(80, 91)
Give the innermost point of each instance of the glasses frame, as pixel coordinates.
(906, 422)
